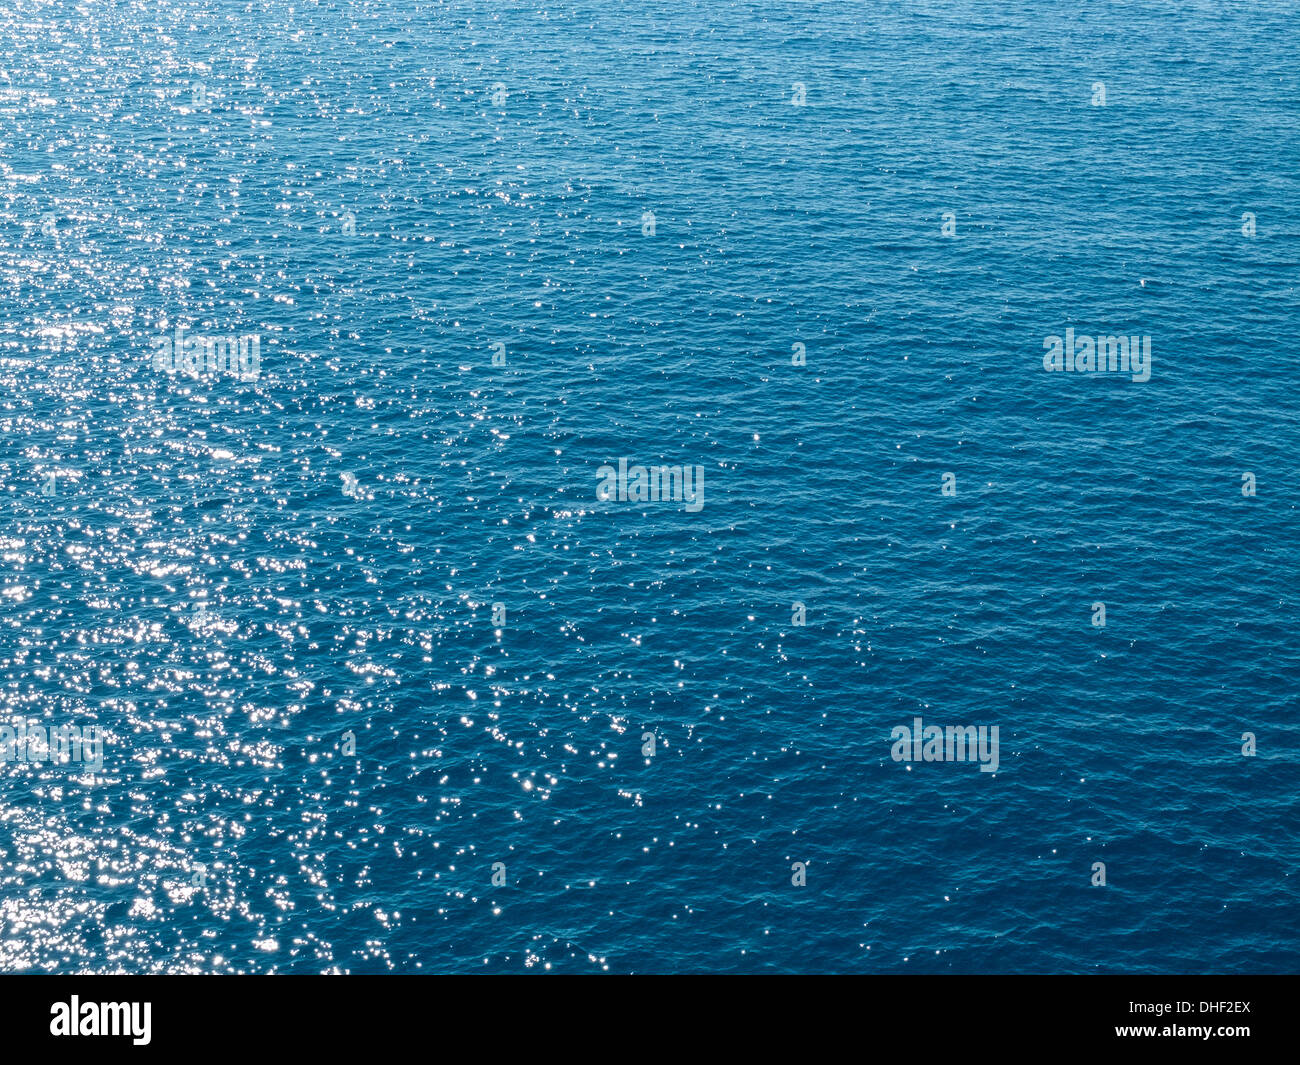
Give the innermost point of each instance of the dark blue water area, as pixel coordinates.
(381, 534)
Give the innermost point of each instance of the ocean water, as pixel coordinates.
(357, 627)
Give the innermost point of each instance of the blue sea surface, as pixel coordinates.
(357, 627)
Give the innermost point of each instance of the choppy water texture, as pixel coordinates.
(349, 518)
